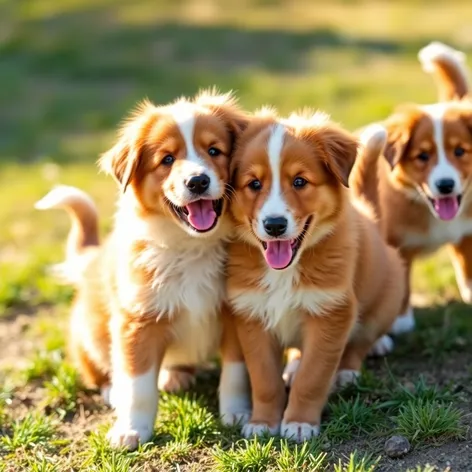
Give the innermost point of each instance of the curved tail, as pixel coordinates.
(447, 66)
(363, 180)
(83, 234)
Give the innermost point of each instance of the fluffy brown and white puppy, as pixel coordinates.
(309, 269)
(151, 296)
(422, 187)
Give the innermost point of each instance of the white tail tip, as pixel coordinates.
(62, 195)
(374, 135)
(435, 51)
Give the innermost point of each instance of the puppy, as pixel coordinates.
(309, 269)
(422, 185)
(151, 296)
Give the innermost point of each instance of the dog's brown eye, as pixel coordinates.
(213, 151)
(423, 156)
(299, 182)
(255, 185)
(168, 160)
(459, 151)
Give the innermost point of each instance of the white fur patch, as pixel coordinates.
(187, 285)
(344, 378)
(184, 115)
(64, 195)
(250, 430)
(439, 233)
(275, 205)
(234, 393)
(443, 168)
(404, 323)
(374, 135)
(436, 51)
(382, 346)
(135, 401)
(299, 432)
(278, 303)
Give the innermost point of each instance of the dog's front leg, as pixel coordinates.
(461, 255)
(324, 339)
(234, 389)
(138, 347)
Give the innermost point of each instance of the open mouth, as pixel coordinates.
(201, 215)
(446, 208)
(280, 253)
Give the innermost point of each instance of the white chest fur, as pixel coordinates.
(280, 304)
(187, 286)
(440, 233)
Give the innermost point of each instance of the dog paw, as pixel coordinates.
(176, 380)
(382, 347)
(345, 377)
(129, 438)
(229, 418)
(290, 371)
(299, 432)
(251, 430)
(404, 323)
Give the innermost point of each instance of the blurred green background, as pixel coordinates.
(70, 70)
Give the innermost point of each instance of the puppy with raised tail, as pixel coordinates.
(423, 180)
(310, 269)
(151, 298)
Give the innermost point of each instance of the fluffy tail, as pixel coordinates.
(83, 234)
(363, 180)
(447, 66)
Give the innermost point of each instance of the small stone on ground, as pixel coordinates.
(397, 446)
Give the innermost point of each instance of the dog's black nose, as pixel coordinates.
(445, 186)
(275, 226)
(198, 183)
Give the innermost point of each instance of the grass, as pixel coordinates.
(422, 420)
(27, 433)
(69, 73)
(357, 464)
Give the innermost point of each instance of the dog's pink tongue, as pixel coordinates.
(201, 214)
(446, 207)
(278, 254)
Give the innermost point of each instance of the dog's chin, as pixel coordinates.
(444, 208)
(281, 253)
(200, 217)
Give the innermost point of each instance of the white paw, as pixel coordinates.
(382, 346)
(290, 371)
(299, 432)
(106, 392)
(230, 418)
(250, 430)
(404, 323)
(130, 438)
(346, 377)
(175, 380)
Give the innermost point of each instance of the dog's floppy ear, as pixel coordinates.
(466, 115)
(400, 127)
(226, 107)
(123, 159)
(339, 149)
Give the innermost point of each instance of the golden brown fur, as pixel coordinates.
(426, 144)
(152, 295)
(340, 291)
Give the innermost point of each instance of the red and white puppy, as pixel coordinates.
(309, 269)
(423, 196)
(151, 296)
